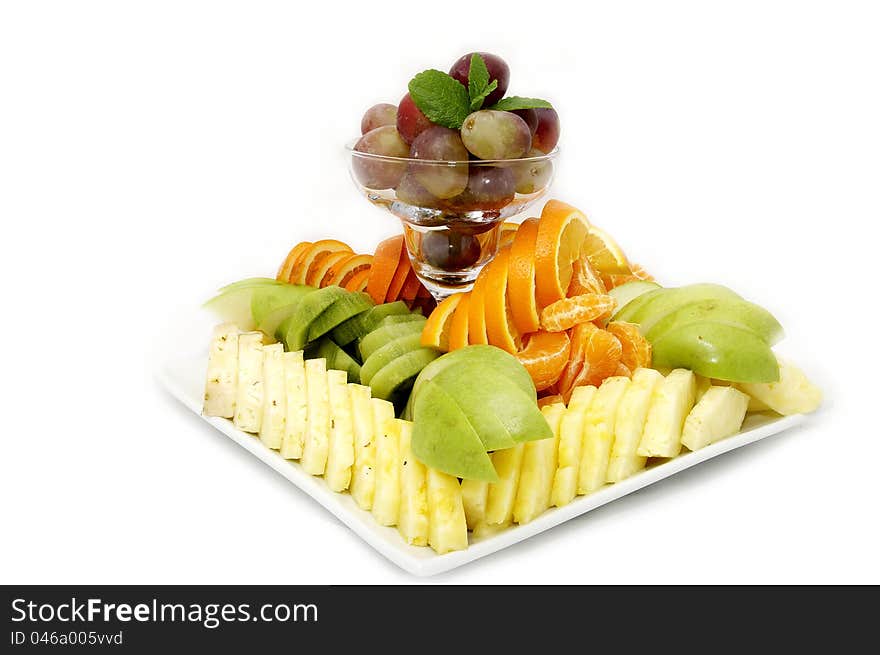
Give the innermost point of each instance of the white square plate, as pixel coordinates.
(184, 377)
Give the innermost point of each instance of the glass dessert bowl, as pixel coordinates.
(451, 211)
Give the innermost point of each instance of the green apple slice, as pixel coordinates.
(663, 301)
(295, 328)
(444, 440)
(735, 312)
(348, 305)
(336, 358)
(394, 378)
(389, 332)
(245, 304)
(362, 324)
(717, 350)
(251, 282)
(389, 351)
(626, 293)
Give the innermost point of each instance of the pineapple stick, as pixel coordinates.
(447, 526)
(793, 393)
(474, 495)
(222, 374)
(599, 434)
(386, 498)
(571, 430)
(363, 479)
(249, 395)
(581, 397)
(340, 455)
(538, 467)
(502, 494)
(317, 437)
(296, 405)
(274, 397)
(630, 424)
(672, 401)
(413, 520)
(718, 414)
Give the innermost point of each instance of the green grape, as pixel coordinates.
(491, 134)
(440, 144)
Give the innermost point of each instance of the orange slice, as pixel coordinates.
(385, 262)
(545, 356)
(410, 287)
(399, 278)
(322, 265)
(341, 272)
(476, 310)
(568, 312)
(304, 263)
(595, 355)
(521, 278)
(437, 329)
(508, 233)
(458, 328)
(287, 265)
(584, 279)
(499, 322)
(604, 253)
(636, 349)
(358, 281)
(561, 233)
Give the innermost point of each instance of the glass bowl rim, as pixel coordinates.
(447, 162)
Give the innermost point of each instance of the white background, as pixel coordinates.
(152, 151)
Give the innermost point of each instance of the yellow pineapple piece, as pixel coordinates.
(447, 526)
(599, 426)
(793, 393)
(317, 436)
(718, 414)
(502, 494)
(413, 520)
(222, 373)
(249, 393)
(672, 401)
(630, 423)
(296, 405)
(274, 397)
(386, 497)
(571, 435)
(581, 397)
(363, 480)
(474, 494)
(538, 468)
(703, 384)
(340, 454)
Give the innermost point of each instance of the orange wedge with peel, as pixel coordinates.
(411, 286)
(521, 278)
(477, 312)
(604, 253)
(458, 327)
(321, 266)
(437, 328)
(286, 267)
(545, 356)
(568, 312)
(358, 281)
(507, 234)
(341, 272)
(561, 234)
(400, 275)
(305, 262)
(384, 266)
(499, 322)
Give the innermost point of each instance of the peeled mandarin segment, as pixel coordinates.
(604, 254)
(636, 349)
(476, 311)
(584, 279)
(304, 263)
(438, 327)
(322, 265)
(399, 277)
(458, 328)
(385, 261)
(286, 268)
(612, 280)
(568, 312)
(358, 281)
(623, 371)
(601, 360)
(521, 278)
(341, 272)
(545, 356)
(561, 233)
(639, 272)
(555, 399)
(499, 326)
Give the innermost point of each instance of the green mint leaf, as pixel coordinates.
(440, 97)
(477, 101)
(513, 103)
(478, 77)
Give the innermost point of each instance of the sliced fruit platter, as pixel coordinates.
(566, 377)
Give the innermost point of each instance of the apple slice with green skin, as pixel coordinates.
(393, 381)
(735, 312)
(336, 358)
(717, 350)
(386, 354)
(295, 328)
(348, 305)
(626, 293)
(245, 303)
(362, 324)
(664, 301)
(386, 333)
(251, 282)
(443, 438)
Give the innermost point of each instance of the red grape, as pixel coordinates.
(450, 250)
(547, 132)
(498, 70)
(376, 173)
(413, 193)
(378, 116)
(530, 116)
(492, 134)
(440, 143)
(410, 120)
(489, 188)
